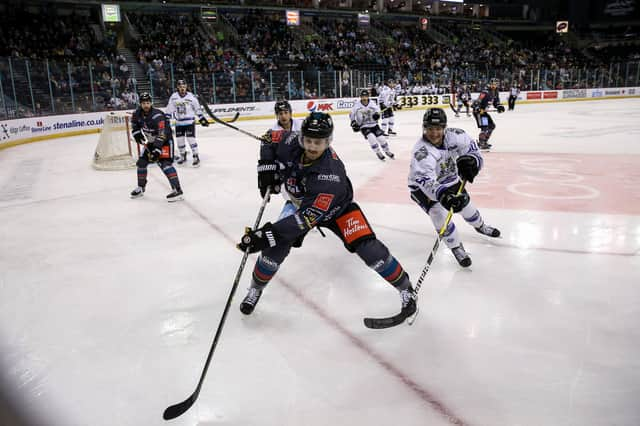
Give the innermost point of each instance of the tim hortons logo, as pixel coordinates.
(354, 226)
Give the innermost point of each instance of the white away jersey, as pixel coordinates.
(433, 169)
(387, 96)
(183, 108)
(363, 114)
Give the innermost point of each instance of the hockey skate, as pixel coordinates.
(250, 301)
(392, 133)
(408, 298)
(380, 156)
(461, 256)
(390, 154)
(138, 192)
(196, 160)
(484, 145)
(182, 158)
(488, 231)
(175, 195)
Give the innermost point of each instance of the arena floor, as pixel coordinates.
(108, 305)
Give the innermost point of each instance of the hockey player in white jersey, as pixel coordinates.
(387, 101)
(364, 118)
(440, 158)
(184, 107)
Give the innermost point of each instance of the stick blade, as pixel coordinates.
(380, 323)
(177, 410)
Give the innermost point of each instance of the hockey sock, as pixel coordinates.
(392, 271)
(392, 121)
(182, 148)
(142, 177)
(194, 145)
(172, 175)
(438, 215)
(472, 215)
(385, 124)
(264, 270)
(385, 146)
(373, 142)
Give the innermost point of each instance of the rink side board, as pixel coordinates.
(34, 129)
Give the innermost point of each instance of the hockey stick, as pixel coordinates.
(205, 106)
(378, 323)
(178, 409)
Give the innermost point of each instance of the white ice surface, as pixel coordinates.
(108, 305)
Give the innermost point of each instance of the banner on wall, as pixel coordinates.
(38, 128)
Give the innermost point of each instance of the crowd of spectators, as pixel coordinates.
(73, 59)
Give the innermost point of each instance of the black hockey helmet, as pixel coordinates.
(282, 105)
(145, 96)
(317, 125)
(434, 117)
(364, 92)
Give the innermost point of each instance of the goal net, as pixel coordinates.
(115, 150)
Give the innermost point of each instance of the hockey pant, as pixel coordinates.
(187, 134)
(438, 215)
(357, 236)
(376, 138)
(461, 104)
(388, 119)
(486, 126)
(165, 163)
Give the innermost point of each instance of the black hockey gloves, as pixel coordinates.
(268, 177)
(257, 240)
(355, 126)
(266, 138)
(153, 154)
(467, 167)
(450, 200)
(375, 116)
(139, 137)
(500, 109)
(204, 122)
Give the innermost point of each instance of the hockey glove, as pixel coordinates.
(268, 177)
(376, 116)
(204, 122)
(266, 138)
(257, 240)
(355, 126)
(397, 106)
(451, 200)
(153, 154)
(467, 167)
(139, 137)
(500, 109)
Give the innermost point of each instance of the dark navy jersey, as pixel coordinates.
(154, 125)
(488, 97)
(320, 190)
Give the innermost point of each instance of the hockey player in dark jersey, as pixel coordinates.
(483, 119)
(151, 129)
(463, 98)
(313, 175)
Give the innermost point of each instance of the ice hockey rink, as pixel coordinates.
(108, 305)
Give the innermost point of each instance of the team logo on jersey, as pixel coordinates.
(323, 201)
(276, 135)
(313, 106)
